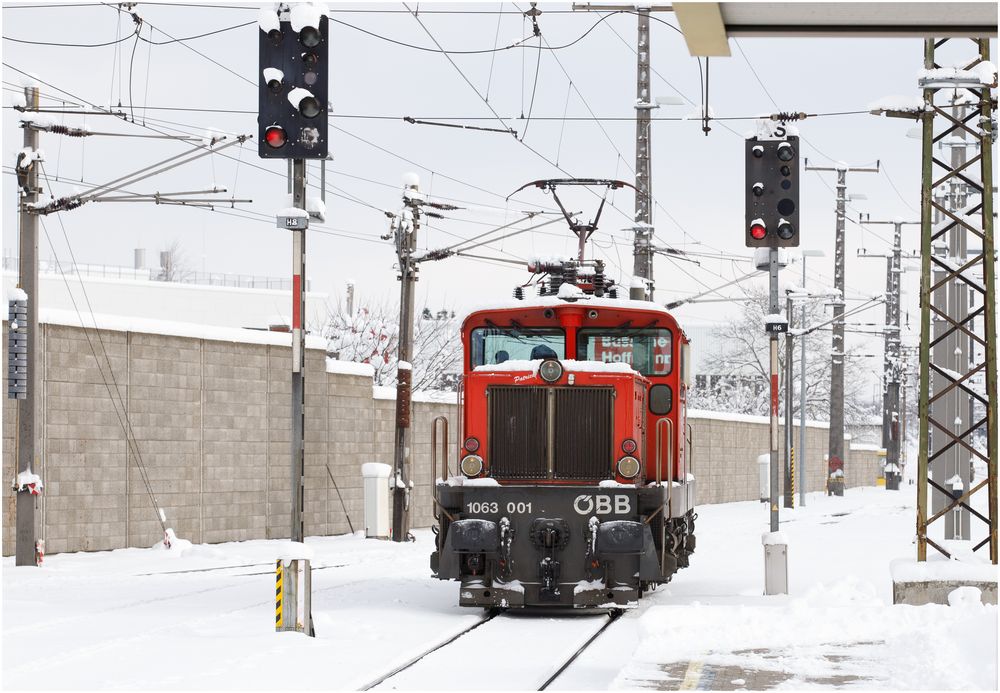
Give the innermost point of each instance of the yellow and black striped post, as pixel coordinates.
(278, 576)
(791, 474)
(293, 596)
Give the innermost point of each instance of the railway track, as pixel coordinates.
(466, 650)
(235, 567)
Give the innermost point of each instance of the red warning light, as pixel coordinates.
(275, 137)
(758, 231)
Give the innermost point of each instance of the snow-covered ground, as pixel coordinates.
(153, 619)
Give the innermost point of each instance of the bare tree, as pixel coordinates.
(371, 336)
(174, 265)
(737, 374)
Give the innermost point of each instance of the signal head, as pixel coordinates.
(309, 107)
(310, 37)
(772, 192)
(275, 136)
(293, 93)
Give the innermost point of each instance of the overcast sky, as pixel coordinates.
(697, 179)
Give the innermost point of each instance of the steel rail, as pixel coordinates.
(234, 567)
(612, 617)
(403, 667)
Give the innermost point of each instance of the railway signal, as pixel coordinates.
(293, 83)
(772, 192)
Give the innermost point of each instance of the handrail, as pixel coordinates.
(434, 447)
(460, 417)
(689, 448)
(659, 451)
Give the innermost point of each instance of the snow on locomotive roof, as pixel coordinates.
(569, 365)
(584, 300)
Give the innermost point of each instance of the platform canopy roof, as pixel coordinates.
(708, 25)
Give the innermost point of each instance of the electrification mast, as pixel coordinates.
(835, 457)
(891, 360)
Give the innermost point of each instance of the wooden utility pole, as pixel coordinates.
(407, 227)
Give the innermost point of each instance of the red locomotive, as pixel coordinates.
(575, 485)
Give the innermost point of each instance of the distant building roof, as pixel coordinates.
(221, 301)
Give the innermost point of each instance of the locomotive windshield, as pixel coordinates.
(493, 345)
(647, 350)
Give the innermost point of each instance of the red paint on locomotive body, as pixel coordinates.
(594, 331)
(562, 499)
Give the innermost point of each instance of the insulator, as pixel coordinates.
(68, 131)
(519, 293)
(569, 273)
(599, 279)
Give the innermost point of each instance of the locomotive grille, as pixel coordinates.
(550, 432)
(517, 432)
(583, 435)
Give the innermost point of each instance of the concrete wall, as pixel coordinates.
(726, 449)
(211, 419)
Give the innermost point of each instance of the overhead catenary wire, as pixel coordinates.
(336, 9)
(374, 207)
(440, 49)
(268, 220)
(162, 132)
(507, 235)
(502, 122)
(425, 12)
(122, 416)
(493, 56)
(183, 42)
(62, 44)
(269, 171)
(534, 88)
(451, 118)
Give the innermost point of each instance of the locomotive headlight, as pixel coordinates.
(628, 467)
(550, 370)
(472, 465)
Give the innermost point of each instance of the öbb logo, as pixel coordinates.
(602, 505)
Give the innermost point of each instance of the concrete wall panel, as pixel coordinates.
(211, 425)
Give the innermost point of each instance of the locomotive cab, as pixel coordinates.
(574, 485)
